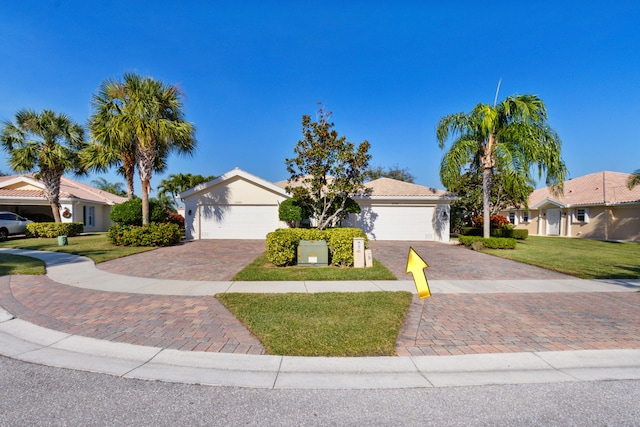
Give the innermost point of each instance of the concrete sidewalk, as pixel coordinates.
(31, 343)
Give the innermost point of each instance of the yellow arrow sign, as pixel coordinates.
(416, 266)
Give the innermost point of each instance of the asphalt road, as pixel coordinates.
(40, 395)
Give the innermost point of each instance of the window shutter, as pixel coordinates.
(586, 215)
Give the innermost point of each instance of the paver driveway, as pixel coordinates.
(222, 259)
(443, 324)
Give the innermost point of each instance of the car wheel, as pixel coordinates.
(3, 234)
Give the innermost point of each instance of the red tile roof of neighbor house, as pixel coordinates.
(393, 187)
(388, 187)
(598, 188)
(69, 189)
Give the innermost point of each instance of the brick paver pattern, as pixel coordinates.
(454, 324)
(175, 322)
(445, 324)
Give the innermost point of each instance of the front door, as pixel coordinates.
(553, 222)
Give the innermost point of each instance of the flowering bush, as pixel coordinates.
(497, 221)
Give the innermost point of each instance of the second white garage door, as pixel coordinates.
(396, 222)
(237, 221)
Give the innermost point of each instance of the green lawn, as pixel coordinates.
(95, 246)
(587, 259)
(323, 324)
(18, 264)
(261, 270)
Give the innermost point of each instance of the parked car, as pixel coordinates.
(11, 223)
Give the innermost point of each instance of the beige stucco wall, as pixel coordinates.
(620, 222)
(236, 191)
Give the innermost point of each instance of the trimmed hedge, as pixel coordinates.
(154, 234)
(54, 229)
(282, 244)
(514, 233)
(490, 243)
(130, 212)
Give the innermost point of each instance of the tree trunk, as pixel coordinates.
(51, 181)
(486, 201)
(128, 165)
(146, 160)
(145, 202)
(487, 175)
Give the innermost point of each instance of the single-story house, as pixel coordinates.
(239, 205)
(24, 195)
(594, 206)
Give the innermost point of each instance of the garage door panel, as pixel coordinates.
(395, 222)
(237, 222)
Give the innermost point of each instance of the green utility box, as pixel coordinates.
(313, 253)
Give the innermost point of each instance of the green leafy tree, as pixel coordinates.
(327, 170)
(394, 172)
(47, 144)
(511, 137)
(142, 117)
(634, 179)
(110, 187)
(177, 183)
(130, 212)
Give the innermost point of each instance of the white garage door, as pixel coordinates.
(237, 222)
(396, 222)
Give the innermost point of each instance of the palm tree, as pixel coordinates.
(141, 119)
(110, 145)
(634, 179)
(177, 183)
(110, 187)
(511, 137)
(47, 144)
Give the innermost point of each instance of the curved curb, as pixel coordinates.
(31, 343)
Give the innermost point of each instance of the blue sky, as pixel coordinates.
(387, 70)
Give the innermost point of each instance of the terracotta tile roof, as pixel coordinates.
(387, 187)
(69, 189)
(594, 189)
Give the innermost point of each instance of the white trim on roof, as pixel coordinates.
(548, 201)
(232, 174)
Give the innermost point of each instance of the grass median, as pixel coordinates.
(261, 270)
(323, 324)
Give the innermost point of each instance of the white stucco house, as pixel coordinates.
(24, 195)
(239, 205)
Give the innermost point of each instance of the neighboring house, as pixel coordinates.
(79, 202)
(235, 205)
(594, 206)
(238, 205)
(398, 210)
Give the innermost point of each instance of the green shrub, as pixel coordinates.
(340, 243)
(153, 234)
(290, 212)
(282, 244)
(519, 234)
(471, 231)
(490, 243)
(499, 243)
(130, 212)
(54, 229)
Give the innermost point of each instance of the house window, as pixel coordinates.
(582, 215)
(512, 218)
(525, 216)
(89, 215)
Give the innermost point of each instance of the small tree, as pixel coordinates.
(327, 171)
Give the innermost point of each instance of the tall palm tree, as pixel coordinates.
(511, 137)
(111, 146)
(47, 144)
(177, 183)
(142, 120)
(634, 179)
